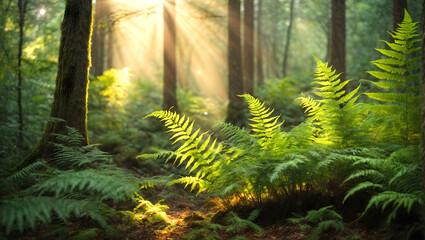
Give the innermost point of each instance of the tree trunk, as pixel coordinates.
(248, 45)
(423, 115)
(260, 71)
(288, 39)
(235, 108)
(338, 37)
(98, 47)
(110, 36)
(170, 73)
(398, 12)
(70, 97)
(22, 5)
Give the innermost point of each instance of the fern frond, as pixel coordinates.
(397, 72)
(29, 211)
(202, 184)
(264, 126)
(397, 201)
(108, 185)
(195, 150)
(335, 125)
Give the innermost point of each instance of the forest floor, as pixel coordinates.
(186, 212)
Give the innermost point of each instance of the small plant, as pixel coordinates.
(152, 213)
(319, 221)
(236, 225)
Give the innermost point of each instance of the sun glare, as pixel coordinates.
(201, 52)
(42, 11)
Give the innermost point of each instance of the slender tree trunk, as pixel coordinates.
(110, 36)
(98, 52)
(288, 39)
(235, 108)
(423, 115)
(248, 45)
(338, 37)
(398, 12)
(170, 73)
(22, 5)
(70, 97)
(260, 71)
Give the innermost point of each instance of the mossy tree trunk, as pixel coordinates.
(170, 71)
(248, 46)
(338, 36)
(70, 97)
(235, 108)
(423, 114)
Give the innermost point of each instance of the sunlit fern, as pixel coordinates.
(196, 151)
(248, 165)
(398, 76)
(335, 116)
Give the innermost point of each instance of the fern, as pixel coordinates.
(319, 221)
(394, 181)
(238, 224)
(264, 126)
(333, 124)
(398, 78)
(73, 184)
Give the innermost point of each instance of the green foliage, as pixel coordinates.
(394, 180)
(398, 77)
(335, 117)
(236, 224)
(280, 94)
(152, 213)
(319, 221)
(245, 168)
(74, 183)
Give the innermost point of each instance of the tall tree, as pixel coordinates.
(423, 114)
(70, 97)
(170, 73)
(288, 39)
(338, 37)
(98, 38)
(398, 12)
(22, 6)
(235, 108)
(110, 36)
(248, 46)
(260, 72)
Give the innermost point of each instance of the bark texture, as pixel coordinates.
(170, 73)
(22, 6)
(423, 115)
(70, 97)
(235, 114)
(398, 12)
(248, 46)
(338, 38)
